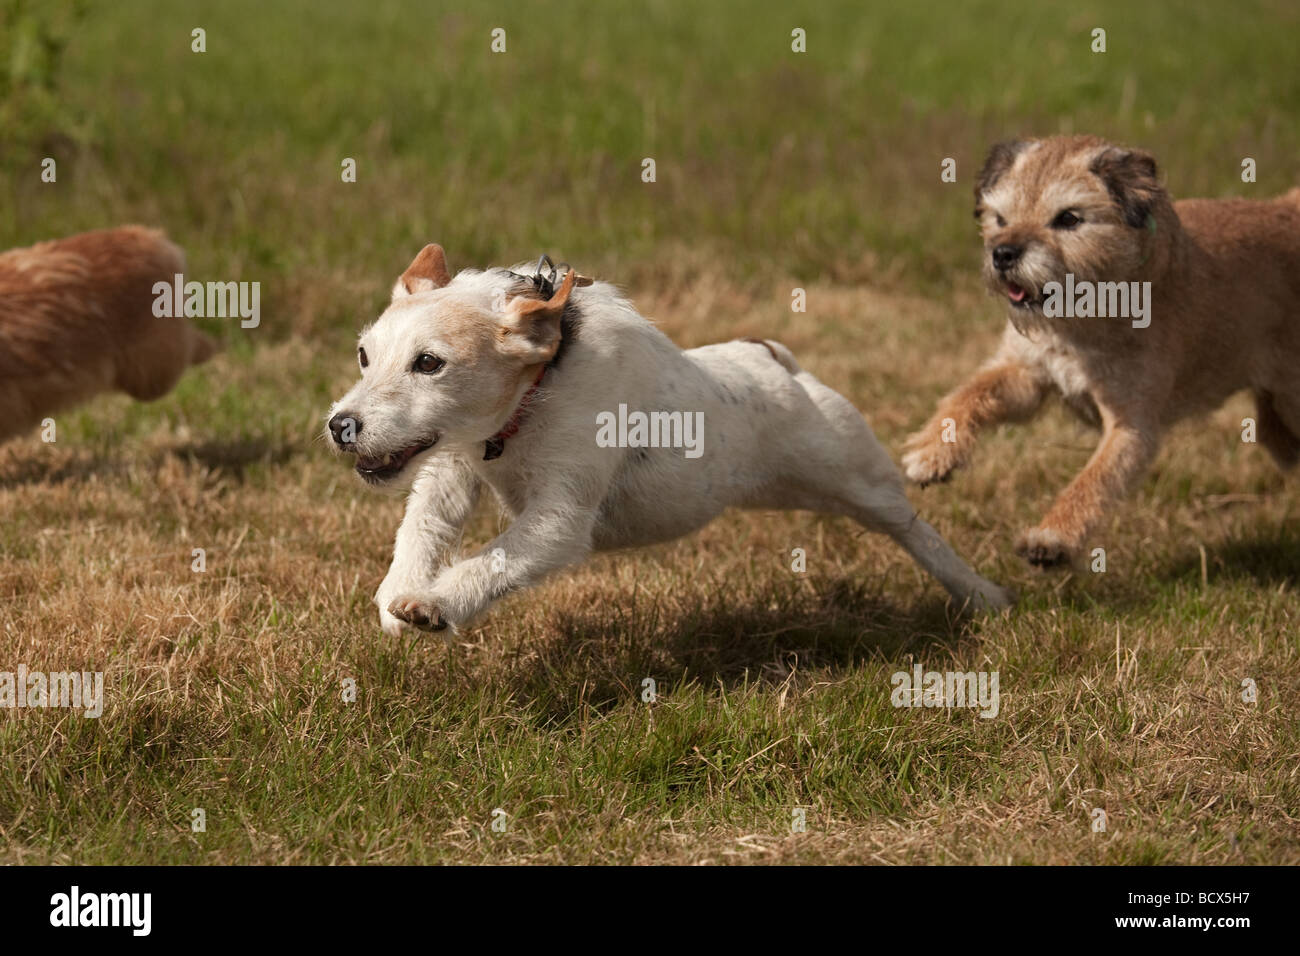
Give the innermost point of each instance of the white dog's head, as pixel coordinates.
(445, 366)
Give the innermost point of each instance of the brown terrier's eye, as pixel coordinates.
(1066, 219)
(361, 357)
(1002, 223)
(427, 364)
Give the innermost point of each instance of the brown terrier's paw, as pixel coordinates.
(1045, 548)
(928, 462)
(417, 613)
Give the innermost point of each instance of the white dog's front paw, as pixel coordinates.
(448, 603)
(418, 612)
(390, 625)
(394, 587)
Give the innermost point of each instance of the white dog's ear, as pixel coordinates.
(530, 329)
(428, 271)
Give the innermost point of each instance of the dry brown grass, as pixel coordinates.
(1119, 691)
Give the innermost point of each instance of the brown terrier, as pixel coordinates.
(1221, 313)
(77, 318)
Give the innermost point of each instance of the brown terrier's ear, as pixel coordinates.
(1130, 177)
(428, 271)
(531, 328)
(1000, 159)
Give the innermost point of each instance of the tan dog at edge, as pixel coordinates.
(76, 319)
(1224, 315)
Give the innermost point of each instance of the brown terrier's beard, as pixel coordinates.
(1021, 287)
(1115, 259)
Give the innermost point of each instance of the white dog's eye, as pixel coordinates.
(361, 357)
(427, 363)
(1002, 223)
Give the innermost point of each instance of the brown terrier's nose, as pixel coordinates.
(1005, 256)
(345, 427)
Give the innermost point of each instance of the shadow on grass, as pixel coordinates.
(1270, 558)
(599, 657)
(38, 469)
(232, 458)
(223, 458)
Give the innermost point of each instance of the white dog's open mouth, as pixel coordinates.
(388, 466)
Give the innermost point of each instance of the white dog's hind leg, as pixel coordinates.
(885, 508)
(846, 470)
(924, 544)
(440, 502)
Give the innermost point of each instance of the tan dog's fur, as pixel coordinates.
(1224, 316)
(76, 318)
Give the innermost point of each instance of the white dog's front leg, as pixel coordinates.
(543, 539)
(440, 502)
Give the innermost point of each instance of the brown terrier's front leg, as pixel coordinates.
(1123, 455)
(1005, 391)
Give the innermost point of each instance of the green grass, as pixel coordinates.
(774, 170)
(821, 165)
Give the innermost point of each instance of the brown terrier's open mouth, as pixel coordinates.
(1020, 297)
(388, 466)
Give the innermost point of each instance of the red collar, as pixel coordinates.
(495, 445)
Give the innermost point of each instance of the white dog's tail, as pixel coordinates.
(779, 352)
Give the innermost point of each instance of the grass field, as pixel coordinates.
(1119, 691)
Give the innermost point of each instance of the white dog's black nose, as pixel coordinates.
(345, 427)
(1005, 256)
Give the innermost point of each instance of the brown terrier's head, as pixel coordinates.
(1068, 204)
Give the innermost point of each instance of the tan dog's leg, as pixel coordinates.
(1279, 422)
(1123, 455)
(1009, 391)
(162, 349)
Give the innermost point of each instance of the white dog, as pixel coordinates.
(507, 380)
